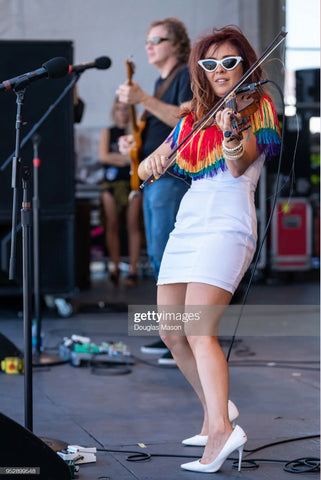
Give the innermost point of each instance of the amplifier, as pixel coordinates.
(292, 235)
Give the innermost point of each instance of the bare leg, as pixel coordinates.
(211, 366)
(174, 294)
(133, 229)
(111, 228)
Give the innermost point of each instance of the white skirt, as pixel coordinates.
(214, 238)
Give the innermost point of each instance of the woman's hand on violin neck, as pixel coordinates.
(225, 119)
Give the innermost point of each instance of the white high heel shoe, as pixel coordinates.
(236, 441)
(201, 440)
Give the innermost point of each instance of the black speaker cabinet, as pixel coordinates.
(56, 150)
(23, 455)
(8, 349)
(56, 171)
(57, 257)
(307, 84)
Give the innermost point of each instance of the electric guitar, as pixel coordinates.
(138, 126)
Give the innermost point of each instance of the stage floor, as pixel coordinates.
(274, 381)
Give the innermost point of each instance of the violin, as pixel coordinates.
(249, 100)
(244, 103)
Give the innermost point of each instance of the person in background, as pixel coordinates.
(115, 196)
(167, 46)
(215, 234)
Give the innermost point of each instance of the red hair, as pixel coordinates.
(203, 96)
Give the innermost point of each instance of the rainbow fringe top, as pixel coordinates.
(203, 155)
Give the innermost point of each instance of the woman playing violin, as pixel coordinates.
(214, 239)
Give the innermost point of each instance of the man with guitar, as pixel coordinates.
(168, 48)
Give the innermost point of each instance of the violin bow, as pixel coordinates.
(172, 157)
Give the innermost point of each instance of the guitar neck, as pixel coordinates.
(133, 118)
(130, 71)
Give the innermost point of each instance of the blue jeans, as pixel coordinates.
(160, 205)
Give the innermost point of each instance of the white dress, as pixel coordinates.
(214, 237)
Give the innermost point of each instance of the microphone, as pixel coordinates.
(250, 86)
(55, 68)
(101, 63)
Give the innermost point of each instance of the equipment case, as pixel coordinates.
(292, 235)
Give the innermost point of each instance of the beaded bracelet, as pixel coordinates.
(234, 157)
(233, 149)
(233, 153)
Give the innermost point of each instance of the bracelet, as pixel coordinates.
(233, 153)
(233, 149)
(234, 157)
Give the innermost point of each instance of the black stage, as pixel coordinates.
(274, 381)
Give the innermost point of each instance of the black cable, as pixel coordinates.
(137, 456)
(298, 465)
(303, 465)
(267, 225)
(280, 442)
(109, 368)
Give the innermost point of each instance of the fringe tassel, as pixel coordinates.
(209, 171)
(266, 128)
(202, 155)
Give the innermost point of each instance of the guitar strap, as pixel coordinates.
(164, 87)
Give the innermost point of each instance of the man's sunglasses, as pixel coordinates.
(155, 40)
(228, 63)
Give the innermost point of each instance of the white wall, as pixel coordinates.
(115, 28)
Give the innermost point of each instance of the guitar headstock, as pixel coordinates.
(130, 68)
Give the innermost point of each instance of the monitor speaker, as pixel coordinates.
(8, 349)
(56, 170)
(56, 148)
(307, 86)
(23, 455)
(56, 256)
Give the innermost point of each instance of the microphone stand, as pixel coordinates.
(36, 263)
(25, 173)
(26, 220)
(40, 358)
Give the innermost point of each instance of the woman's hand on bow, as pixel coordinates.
(155, 165)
